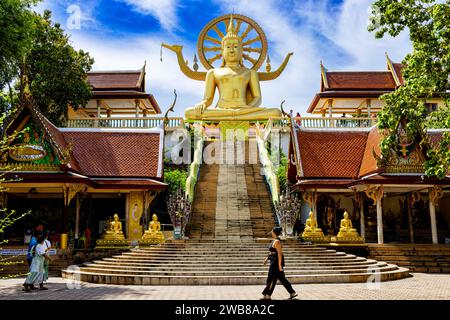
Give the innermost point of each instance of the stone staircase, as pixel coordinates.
(228, 242)
(202, 224)
(230, 263)
(232, 201)
(432, 258)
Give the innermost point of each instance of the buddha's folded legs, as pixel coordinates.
(244, 114)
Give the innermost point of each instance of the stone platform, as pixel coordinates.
(230, 263)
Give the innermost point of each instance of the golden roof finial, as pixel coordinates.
(231, 31)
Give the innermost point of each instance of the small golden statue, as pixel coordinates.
(238, 86)
(114, 229)
(311, 227)
(154, 234)
(347, 229)
(347, 233)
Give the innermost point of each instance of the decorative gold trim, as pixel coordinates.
(71, 190)
(323, 72)
(435, 193)
(374, 193)
(19, 152)
(18, 167)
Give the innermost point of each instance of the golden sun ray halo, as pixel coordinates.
(253, 38)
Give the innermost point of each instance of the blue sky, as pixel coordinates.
(122, 34)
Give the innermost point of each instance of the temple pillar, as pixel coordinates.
(3, 201)
(380, 221)
(311, 199)
(435, 193)
(137, 103)
(70, 191)
(99, 112)
(99, 106)
(376, 194)
(137, 205)
(412, 198)
(330, 110)
(369, 111)
(77, 216)
(362, 222)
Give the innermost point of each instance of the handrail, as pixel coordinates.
(124, 122)
(177, 122)
(267, 165)
(194, 167)
(335, 122)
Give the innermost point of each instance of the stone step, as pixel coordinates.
(224, 268)
(233, 259)
(231, 280)
(231, 265)
(288, 271)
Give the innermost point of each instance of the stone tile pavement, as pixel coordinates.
(418, 287)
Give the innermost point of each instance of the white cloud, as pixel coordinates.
(287, 29)
(163, 10)
(296, 29)
(162, 77)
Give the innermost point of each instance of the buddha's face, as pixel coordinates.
(345, 215)
(232, 50)
(155, 217)
(116, 217)
(311, 215)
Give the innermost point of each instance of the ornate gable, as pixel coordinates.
(406, 156)
(32, 148)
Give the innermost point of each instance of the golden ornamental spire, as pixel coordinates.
(231, 31)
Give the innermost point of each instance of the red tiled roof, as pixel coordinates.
(369, 163)
(116, 154)
(102, 80)
(332, 154)
(364, 80)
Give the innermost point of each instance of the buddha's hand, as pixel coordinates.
(200, 108)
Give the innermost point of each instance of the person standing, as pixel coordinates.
(48, 246)
(36, 274)
(31, 245)
(276, 268)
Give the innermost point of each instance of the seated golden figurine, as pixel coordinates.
(114, 230)
(154, 230)
(239, 89)
(347, 229)
(311, 227)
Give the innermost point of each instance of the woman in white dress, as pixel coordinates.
(36, 274)
(48, 246)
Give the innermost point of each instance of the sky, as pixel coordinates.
(122, 34)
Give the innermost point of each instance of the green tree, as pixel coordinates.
(36, 50)
(55, 70)
(16, 20)
(426, 74)
(175, 179)
(7, 217)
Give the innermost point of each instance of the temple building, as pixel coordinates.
(104, 173)
(338, 165)
(74, 179)
(116, 93)
(357, 93)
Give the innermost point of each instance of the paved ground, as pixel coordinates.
(419, 287)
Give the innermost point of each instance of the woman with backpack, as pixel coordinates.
(37, 271)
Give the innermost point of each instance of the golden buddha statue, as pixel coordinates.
(114, 229)
(346, 230)
(311, 227)
(239, 89)
(154, 233)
